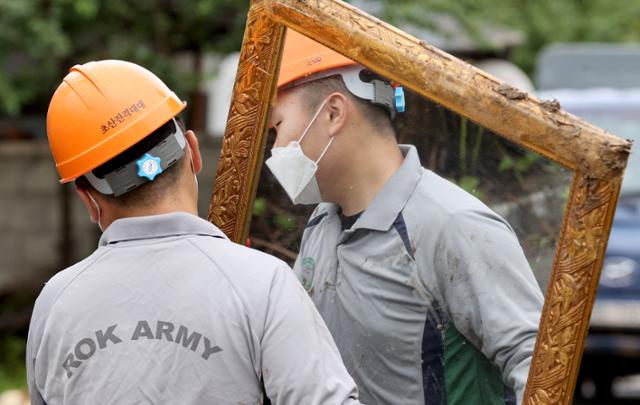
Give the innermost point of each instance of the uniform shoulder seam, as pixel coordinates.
(81, 271)
(224, 274)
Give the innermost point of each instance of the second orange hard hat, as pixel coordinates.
(103, 108)
(302, 57)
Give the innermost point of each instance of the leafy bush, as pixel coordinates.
(13, 373)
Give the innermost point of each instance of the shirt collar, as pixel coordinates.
(158, 226)
(390, 201)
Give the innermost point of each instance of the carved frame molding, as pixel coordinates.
(597, 158)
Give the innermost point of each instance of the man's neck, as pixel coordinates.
(370, 167)
(162, 207)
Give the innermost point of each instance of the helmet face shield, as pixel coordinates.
(142, 169)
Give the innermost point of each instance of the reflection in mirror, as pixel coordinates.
(429, 279)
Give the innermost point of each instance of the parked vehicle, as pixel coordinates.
(609, 97)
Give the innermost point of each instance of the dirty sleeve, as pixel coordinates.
(489, 291)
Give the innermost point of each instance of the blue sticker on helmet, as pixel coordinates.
(399, 99)
(149, 166)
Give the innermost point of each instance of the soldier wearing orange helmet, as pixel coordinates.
(167, 309)
(426, 291)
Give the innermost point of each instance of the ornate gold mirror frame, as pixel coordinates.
(596, 157)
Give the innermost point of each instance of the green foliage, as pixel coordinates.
(13, 373)
(39, 41)
(542, 21)
(518, 165)
(259, 206)
(285, 222)
(471, 184)
(30, 38)
(546, 21)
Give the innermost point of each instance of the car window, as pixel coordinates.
(625, 124)
(616, 110)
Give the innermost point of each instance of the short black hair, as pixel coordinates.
(147, 193)
(317, 90)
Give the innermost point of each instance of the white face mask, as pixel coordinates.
(295, 172)
(193, 169)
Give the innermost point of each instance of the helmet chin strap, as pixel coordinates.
(97, 208)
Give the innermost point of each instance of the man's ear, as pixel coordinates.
(88, 203)
(338, 108)
(196, 158)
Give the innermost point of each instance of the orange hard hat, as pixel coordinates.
(102, 109)
(302, 57)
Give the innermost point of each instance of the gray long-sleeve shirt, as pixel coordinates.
(428, 295)
(168, 311)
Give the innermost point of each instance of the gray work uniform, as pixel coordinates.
(168, 311)
(428, 295)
